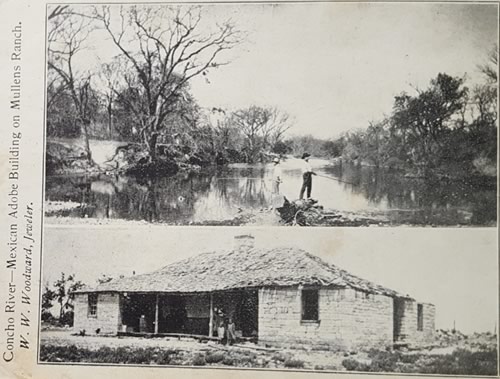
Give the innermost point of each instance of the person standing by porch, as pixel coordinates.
(220, 325)
(143, 325)
(231, 331)
(307, 174)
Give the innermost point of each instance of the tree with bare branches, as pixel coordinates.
(108, 79)
(66, 36)
(490, 67)
(262, 127)
(165, 47)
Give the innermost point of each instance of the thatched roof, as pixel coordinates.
(242, 268)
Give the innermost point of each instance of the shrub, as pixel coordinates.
(199, 360)
(228, 361)
(279, 357)
(460, 362)
(67, 318)
(353, 365)
(141, 356)
(409, 358)
(384, 361)
(106, 354)
(294, 363)
(164, 357)
(49, 318)
(464, 362)
(214, 357)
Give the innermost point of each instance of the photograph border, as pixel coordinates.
(44, 227)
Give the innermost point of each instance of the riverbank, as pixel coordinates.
(63, 213)
(482, 170)
(243, 194)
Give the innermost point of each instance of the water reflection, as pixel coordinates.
(220, 195)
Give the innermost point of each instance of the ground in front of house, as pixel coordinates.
(474, 355)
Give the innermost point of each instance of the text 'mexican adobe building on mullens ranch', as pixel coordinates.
(277, 296)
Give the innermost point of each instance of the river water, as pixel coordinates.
(218, 195)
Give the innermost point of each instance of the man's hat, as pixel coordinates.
(276, 160)
(305, 155)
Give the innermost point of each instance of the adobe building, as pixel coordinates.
(275, 296)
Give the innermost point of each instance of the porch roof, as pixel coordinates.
(248, 268)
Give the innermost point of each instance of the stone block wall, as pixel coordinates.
(408, 321)
(107, 319)
(348, 319)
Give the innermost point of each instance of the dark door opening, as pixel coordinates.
(138, 313)
(173, 315)
(243, 307)
(397, 319)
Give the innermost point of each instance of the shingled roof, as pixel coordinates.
(226, 270)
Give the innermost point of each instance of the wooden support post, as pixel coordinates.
(156, 314)
(211, 321)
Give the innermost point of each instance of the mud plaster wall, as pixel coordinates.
(348, 319)
(108, 318)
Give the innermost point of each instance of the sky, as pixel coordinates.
(453, 268)
(337, 66)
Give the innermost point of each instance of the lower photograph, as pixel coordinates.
(408, 301)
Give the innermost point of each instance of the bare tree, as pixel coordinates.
(109, 79)
(279, 123)
(490, 68)
(58, 11)
(262, 127)
(165, 48)
(67, 33)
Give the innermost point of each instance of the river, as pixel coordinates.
(219, 195)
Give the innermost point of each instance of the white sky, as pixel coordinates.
(337, 66)
(455, 269)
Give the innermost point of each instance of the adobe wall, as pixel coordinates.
(108, 314)
(348, 319)
(409, 324)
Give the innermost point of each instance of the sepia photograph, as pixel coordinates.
(270, 300)
(249, 189)
(317, 114)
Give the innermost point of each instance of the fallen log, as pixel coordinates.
(310, 213)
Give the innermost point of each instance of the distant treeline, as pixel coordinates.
(446, 129)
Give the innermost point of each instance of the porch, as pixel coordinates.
(189, 315)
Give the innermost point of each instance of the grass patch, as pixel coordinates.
(72, 353)
(460, 362)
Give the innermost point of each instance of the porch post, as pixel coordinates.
(211, 322)
(156, 314)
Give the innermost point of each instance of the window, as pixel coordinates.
(420, 317)
(92, 309)
(310, 305)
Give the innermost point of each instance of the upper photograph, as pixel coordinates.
(316, 114)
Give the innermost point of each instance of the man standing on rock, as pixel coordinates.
(307, 174)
